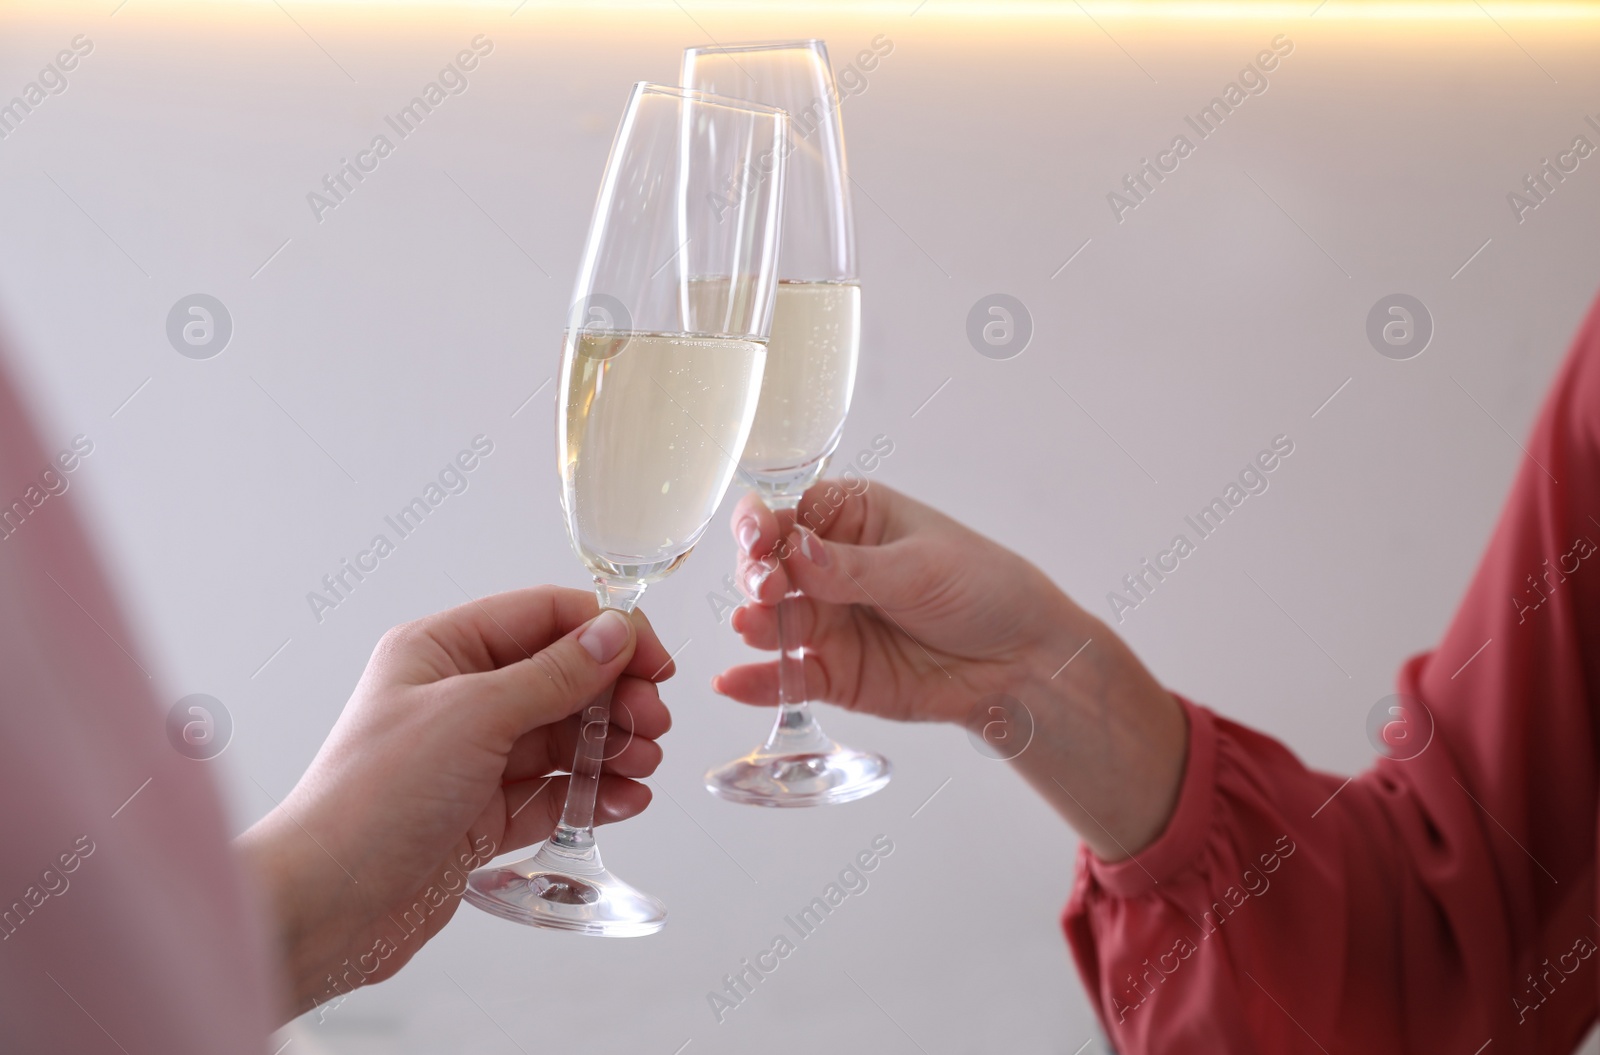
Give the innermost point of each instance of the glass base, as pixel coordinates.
(561, 890)
(841, 774)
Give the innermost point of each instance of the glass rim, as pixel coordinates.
(694, 95)
(809, 43)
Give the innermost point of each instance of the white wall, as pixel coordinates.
(1223, 311)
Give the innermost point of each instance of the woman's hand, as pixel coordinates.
(906, 614)
(441, 760)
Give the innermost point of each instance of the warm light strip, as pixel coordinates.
(984, 10)
(1159, 10)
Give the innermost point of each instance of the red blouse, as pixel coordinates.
(1440, 900)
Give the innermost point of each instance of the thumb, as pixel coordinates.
(559, 679)
(884, 576)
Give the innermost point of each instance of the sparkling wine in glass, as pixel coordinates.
(805, 395)
(661, 367)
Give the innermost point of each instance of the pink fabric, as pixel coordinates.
(131, 933)
(1433, 905)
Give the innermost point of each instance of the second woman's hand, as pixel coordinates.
(909, 615)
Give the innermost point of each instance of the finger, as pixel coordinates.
(490, 632)
(757, 625)
(756, 529)
(651, 660)
(495, 631)
(846, 511)
(762, 579)
(753, 683)
(637, 706)
(554, 682)
(534, 806)
(757, 683)
(889, 577)
(628, 755)
(552, 748)
(842, 511)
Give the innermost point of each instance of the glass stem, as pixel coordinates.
(795, 731)
(573, 838)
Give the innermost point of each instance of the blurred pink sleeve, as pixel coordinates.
(124, 923)
(1435, 904)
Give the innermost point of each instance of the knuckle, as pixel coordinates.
(558, 670)
(401, 638)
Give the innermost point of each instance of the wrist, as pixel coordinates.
(1109, 743)
(305, 914)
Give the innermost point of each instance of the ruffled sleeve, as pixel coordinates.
(1441, 900)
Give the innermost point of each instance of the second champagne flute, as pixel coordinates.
(810, 374)
(660, 372)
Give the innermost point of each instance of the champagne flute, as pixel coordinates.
(811, 370)
(661, 369)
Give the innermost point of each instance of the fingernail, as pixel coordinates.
(813, 549)
(748, 532)
(754, 576)
(605, 636)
